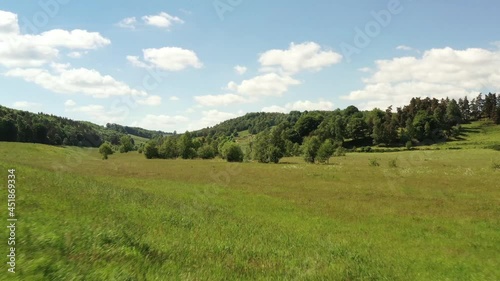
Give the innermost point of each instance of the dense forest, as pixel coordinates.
(317, 135)
(23, 126)
(140, 132)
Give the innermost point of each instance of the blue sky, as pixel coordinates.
(185, 65)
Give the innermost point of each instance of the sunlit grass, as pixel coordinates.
(432, 216)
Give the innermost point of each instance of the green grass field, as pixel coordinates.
(434, 215)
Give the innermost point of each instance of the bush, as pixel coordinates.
(105, 150)
(409, 145)
(310, 148)
(325, 151)
(151, 150)
(374, 162)
(206, 152)
(232, 152)
(340, 151)
(495, 166)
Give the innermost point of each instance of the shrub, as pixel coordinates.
(495, 166)
(310, 148)
(206, 152)
(409, 145)
(325, 151)
(340, 151)
(374, 162)
(151, 150)
(105, 150)
(232, 152)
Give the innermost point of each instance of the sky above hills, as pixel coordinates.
(185, 65)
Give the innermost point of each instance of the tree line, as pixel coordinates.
(23, 126)
(317, 135)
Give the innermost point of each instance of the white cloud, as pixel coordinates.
(300, 106)
(404, 48)
(70, 103)
(163, 20)
(75, 39)
(8, 23)
(161, 122)
(127, 23)
(97, 113)
(270, 84)
(174, 98)
(76, 81)
(299, 57)
(135, 61)
(167, 58)
(211, 118)
(150, 100)
(59, 67)
(220, 100)
(17, 50)
(240, 69)
(438, 73)
(24, 105)
(76, 55)
(364, 69)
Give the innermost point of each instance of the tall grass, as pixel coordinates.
(433, 217)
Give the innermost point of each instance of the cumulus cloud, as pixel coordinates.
(167, 58)
(97, 113)
(162, 20)
(161, 122)
(69, 103)
(25, 105)
(270, 84)
(300, 106)
(404, 48)
(240, 69)
(76, 55)
(211, 118)
(76, 81)
(174, 98)
(127, 23)
(438, 73)
(150, 100)
(18, 50)
(298, 57)
(220, 100)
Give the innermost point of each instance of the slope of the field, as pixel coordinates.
(419, 215)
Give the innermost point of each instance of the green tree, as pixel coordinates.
(168, 149)
(126, 144)
(356, 128)
(105, 150)
(310, 148)
(151, 150)
(206, 151)
(325, 151)
(8, 130)
(307, 123)
(186, 147)
(232, 152)
(453, 115)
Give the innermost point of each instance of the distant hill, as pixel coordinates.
(24, 126)
(136, 131)
(253, 122)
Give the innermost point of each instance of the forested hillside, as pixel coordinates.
(23, 126)
(317, 135)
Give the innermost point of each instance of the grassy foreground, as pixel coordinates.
(434, 215)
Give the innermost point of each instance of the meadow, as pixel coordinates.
(410, 215)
